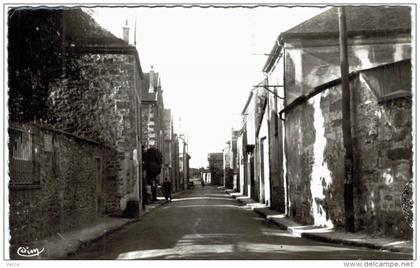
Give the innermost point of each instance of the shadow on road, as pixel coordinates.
(206, 224)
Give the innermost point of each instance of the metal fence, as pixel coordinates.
(22, 164)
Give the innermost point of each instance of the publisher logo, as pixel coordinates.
(27, 252)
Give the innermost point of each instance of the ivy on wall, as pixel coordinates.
(37, 55)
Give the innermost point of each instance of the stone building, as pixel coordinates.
(176, 176)
(74, 113)
(246, 145)
(152, 113)
(171, 151)
(167, 143)
(248, 161)
(227, 166)
(206, 176)
(57, 183)
(274, 71)
(230, 170)
(252, 142)
(235, 167)
(216, 168)
(290, 152)
(261, 162)
(240, 186)
(379, 50)
(184, 167)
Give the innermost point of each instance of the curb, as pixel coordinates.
(72, 246)
(60, 247)
(288, 226)
(321, 238)
(85, 242)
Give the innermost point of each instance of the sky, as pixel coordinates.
(208, 59)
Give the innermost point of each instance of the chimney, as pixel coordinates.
(151, 79)
(126, 31)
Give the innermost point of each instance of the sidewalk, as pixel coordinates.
(328, 235)
(62, 245)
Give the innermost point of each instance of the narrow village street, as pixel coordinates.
(281, 132)
(206, 223)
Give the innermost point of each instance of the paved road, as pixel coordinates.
(208, 224)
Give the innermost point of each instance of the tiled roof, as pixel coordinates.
(359, 19)
(215, 156)
(70, 26)
(82, 29)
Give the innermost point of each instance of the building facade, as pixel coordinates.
(379, 51)
(83, 103)
(274, 71)
(230, 165)
(290, 150)
(216, 168)
(152, 113)
(167, 145)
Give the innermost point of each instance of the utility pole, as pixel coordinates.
(346, 123)
(185, 166)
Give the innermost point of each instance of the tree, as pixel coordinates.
(152, 159)
(42, 50)
(36, 57)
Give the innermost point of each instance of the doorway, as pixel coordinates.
(98, 194)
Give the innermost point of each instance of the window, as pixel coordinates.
(23, 168)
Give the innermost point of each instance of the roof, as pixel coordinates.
(251, 94)
(360, 19)
(71, 26)
(82, 29)
(274, 55)
(215, 156)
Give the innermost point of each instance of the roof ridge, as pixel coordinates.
(360, 18)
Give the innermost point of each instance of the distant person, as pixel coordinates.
(202, 183)
(145, 196)
(154, 190)
(148, 193)
(167, 188)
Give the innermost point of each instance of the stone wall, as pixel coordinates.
(100, 104)
(77, 186)
(382, 135)
(103, 104)
(384, 149)
(300, 135)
